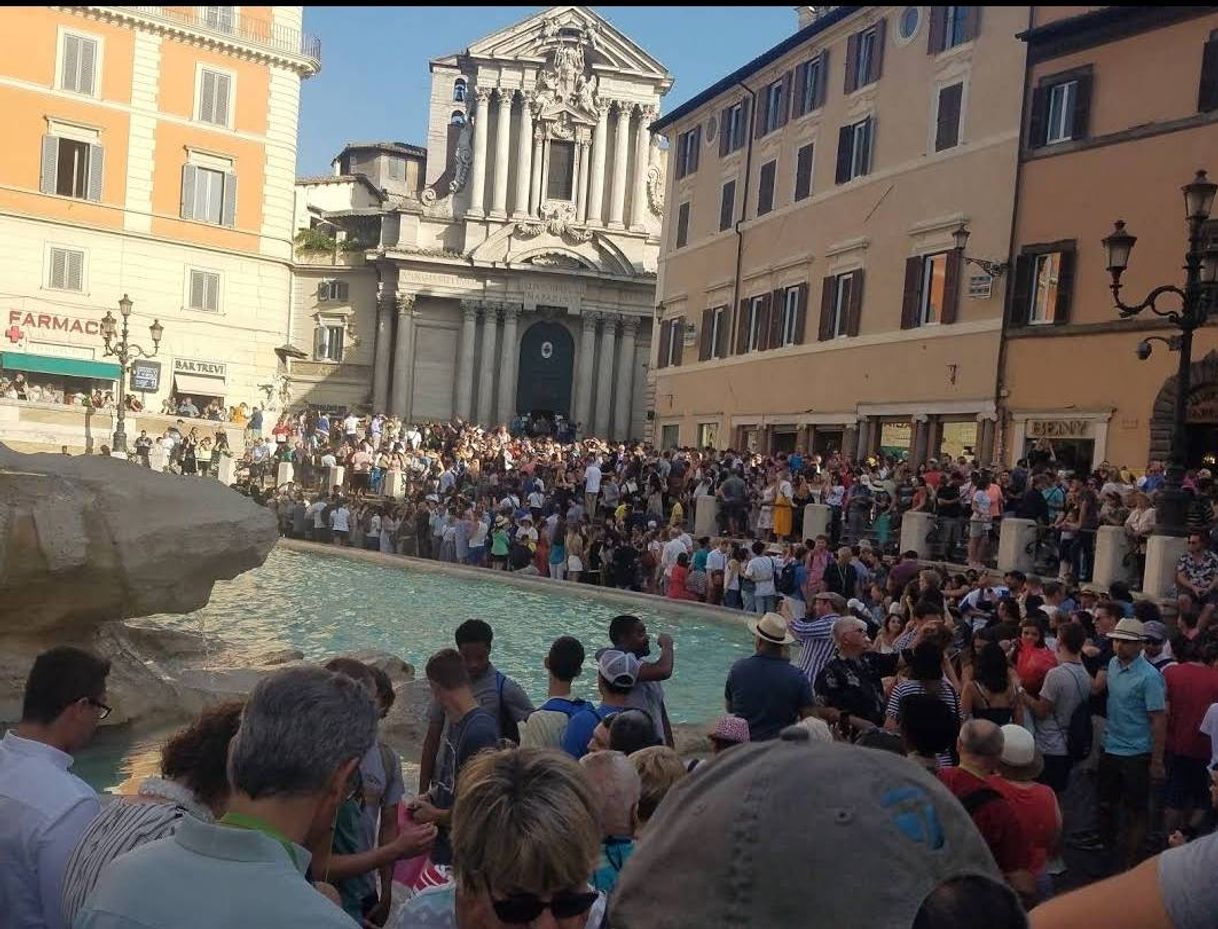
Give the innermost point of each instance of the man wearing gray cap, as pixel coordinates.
(725, 841)
(617, 672)
(1155, 647)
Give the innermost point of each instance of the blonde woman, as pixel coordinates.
(659, 769)
(525, 842)
(575, 554)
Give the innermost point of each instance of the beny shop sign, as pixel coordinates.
(54, 322)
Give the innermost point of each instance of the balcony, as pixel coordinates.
(223, 21)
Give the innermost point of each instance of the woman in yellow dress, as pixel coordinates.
(783, 493)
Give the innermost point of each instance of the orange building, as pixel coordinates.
(149, 151)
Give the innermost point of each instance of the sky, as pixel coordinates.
(374, 82)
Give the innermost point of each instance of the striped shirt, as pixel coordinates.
(818, 646)
(947, 693)
(123, 825)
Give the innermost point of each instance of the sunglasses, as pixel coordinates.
(105, 710)
(520, 909)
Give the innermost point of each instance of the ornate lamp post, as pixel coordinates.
(119, 346)
(1201, 267)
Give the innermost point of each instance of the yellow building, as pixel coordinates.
(148, 151)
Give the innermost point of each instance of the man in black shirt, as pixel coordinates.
(853, 683)
(951, 511)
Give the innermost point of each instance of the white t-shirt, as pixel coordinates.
(672, 549)
(761, 570)
(1209, 725)
(716, 561)
(592, 479)
(350, 425)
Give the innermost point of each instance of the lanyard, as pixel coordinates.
(242, 821)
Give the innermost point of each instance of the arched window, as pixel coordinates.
(457, 119)
(459, 88)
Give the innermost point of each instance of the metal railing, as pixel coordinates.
(224, 21)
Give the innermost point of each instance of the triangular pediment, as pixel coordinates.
(537, 38)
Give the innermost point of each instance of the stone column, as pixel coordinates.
(524, 164)
(604, 380)
(503, 136)
(403, 359)
(625, 379)
(384, 353)
(465, 358)
(600, 138)
(486, 381)
(508, 356)
(850, 441)
(921, 428)
(1016, 542)
(621, 142)
(581, 179)
(535, 173)
(985, 440)
(482, 120)
(587, 358)
(642, 144)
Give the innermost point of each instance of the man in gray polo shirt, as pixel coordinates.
(302, 735)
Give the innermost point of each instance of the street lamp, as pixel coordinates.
(119, 346)
(1201, 267)
(960, 239)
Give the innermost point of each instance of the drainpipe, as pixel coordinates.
(744, 207)
(1000, 381)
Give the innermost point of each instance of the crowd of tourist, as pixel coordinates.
(948, 745)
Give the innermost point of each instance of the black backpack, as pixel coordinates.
(1079, 732)
(785, 583)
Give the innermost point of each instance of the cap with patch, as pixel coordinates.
(1155, 631)
(618, 668)
(723, 839)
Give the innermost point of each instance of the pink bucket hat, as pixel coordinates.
(731, 729)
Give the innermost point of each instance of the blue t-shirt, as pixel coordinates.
(769, 692)
(581, 726)
(1133, 692)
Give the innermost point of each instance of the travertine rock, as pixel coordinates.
(88, 539)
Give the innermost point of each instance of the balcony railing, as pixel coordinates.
(224, 21)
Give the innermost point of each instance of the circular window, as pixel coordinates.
(908, 23)
(547, 350)
(712, 126)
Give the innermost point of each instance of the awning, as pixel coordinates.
(194, 384)
(49, 364)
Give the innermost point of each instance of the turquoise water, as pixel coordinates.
(327, 605)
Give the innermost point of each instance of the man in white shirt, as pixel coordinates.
(44, 809)
(340, 523)
(592, 486)
(351, 426)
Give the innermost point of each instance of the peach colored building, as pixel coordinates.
(1121, 110)
(148, 151)
(811, 289)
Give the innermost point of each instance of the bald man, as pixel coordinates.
(615, 784)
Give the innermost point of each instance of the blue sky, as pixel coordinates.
(374, 81)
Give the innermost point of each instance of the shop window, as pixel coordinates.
(708, 433)
(670, 436)
(328, 340)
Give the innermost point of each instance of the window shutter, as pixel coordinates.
(228, 212)
(723, 344)
(1082, 107)
(319, 342)
(951, 286)
(223, 84)
(825, 330)
(911, 299)
(868, 147)
(803, 172)
(845, 142)
(189, 173)
(678, 338)
(1038, 122)
(70, 79)
(88, 61)
(972, 22)
(342, 290)
(1207, 94)
(725, 131)
(744, 119)
(852, 56)
(97, 166)
(761, 324)
(213, 291)
(801, 314)
(665, 342)
(822, 79)
(856, 302)
(947, 123)
(197, 297)
(778, 311)
(704, 337)
(59, 269)
(763, 115)
(76, 270)
(207, 96)
(1021, 290)
(785, 113)
(696, 146)
(742, 327)
(1065, 288)
(797, 105)
(727, 205)
(938, 28)
(50, 164)
(877, 60)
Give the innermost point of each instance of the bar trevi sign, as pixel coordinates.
(201, 368)
(1059, 428)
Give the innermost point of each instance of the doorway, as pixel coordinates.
(547, 360)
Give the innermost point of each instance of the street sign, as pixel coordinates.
(146, 376)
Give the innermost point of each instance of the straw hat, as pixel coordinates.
(772, 628)
(1129, 630)
(1021, 760)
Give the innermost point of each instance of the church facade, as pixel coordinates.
(508, 268)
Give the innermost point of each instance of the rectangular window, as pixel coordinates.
(215, 97)
(204, 291)
(672, 347)
(951, 26)
(934, 289)
(561, 184)
(733, 126)
(1045, 278)
(687, 151)
(947, 117)
(843, 286)
(683, 225)
(765, 188)
(1207, 91)
(328, 345)
(854, 146)
(707, 434)
(790, 316)
(775, 106)
(809, 88)
(1059, 125)
(956, 29)
(727, 206)
(219, 17)
(72, 170)
(209, 195)
(332, 291)
(397, 169)
(718, 336)
(755, 324)
(67, 271)
(670, 435)
(78, 70)
(803, 172)
(863, 61)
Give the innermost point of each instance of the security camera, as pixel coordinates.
(1142, 350)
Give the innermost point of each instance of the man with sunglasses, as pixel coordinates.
(44, 808)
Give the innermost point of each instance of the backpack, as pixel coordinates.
(1079, 733)
(508, 727)
(785, 582)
